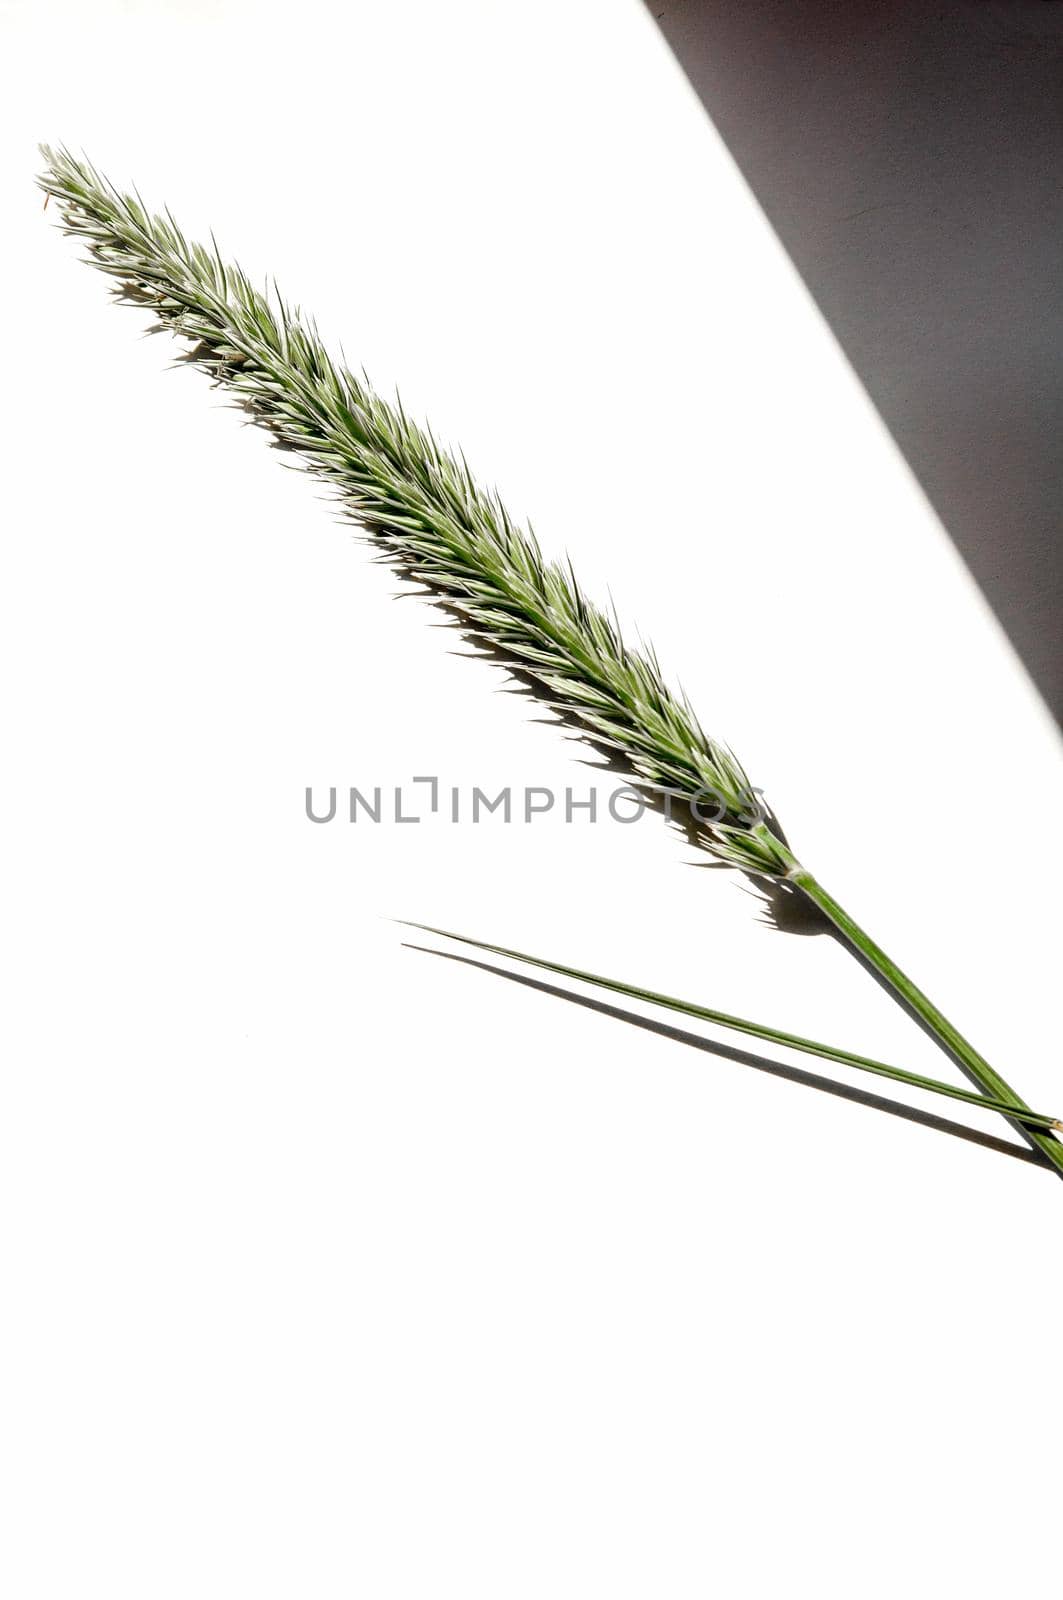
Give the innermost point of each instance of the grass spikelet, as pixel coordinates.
(422, 508)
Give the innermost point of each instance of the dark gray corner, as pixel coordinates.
(910, 158)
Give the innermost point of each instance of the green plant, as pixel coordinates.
(422, 508)
(754, 1030)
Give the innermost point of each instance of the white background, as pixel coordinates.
(332, 1269)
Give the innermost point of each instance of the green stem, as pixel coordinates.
(756, 1030)
(949, 1036)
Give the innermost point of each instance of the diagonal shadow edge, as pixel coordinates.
(905, 157)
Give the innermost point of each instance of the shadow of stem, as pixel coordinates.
(746, 1058)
